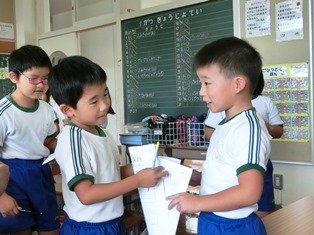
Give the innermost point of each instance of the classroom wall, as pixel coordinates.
(7, 16)
(297, 179)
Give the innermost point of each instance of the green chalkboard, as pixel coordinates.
(6, 86)
(158, 52)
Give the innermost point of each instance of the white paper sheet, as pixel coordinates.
(159, 219)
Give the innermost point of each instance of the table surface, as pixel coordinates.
(294, 219)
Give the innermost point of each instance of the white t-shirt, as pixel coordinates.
(263, 105)
(23, 131)
(239, 144)
(83, 155)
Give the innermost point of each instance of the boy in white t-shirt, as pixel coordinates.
(26, 138)
(269, 112)
(231, 180)
(91, 183)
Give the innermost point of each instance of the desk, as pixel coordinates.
(294, 219)
(185, 152)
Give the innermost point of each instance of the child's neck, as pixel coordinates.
(88, 128)
(22, 100)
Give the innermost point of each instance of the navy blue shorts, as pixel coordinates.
(267, 200)
(209, 223)
(112, 227)
(31, 184)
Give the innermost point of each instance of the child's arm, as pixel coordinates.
(126, 171)
(276, 131)
(89, 193)
(195, 178)
(51, 143)
(8, 205)
(4, 177)
(247, 192)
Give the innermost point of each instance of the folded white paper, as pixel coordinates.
(159, 219)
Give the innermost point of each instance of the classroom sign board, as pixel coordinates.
(158, 52)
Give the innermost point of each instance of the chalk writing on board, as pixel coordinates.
(158, 52)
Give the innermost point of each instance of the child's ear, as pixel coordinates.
(66, 110)
(240, 83)
(13, 77)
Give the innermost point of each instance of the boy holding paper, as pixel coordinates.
(88, 158)
(232, 176)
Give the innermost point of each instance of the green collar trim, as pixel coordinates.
(29, 110)
(99, 130)
(225, 120)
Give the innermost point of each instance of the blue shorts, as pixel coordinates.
(267, 200)
(112, 227)
(209, 223)
(31, 184)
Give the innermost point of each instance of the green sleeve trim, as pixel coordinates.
(249, 167)
(78, 178)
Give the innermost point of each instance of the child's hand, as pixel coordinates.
(184, 202)
(8, 206)
(149, 177)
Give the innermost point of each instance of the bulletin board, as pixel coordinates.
(158, 51)
(287, 69)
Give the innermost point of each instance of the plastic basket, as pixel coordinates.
(196, 134)
(177, 133)
(169, 133)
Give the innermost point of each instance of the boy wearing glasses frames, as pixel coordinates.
(88, 158)
(26, 127)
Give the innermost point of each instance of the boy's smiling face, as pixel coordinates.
(221, 93)
(216, 90)
(92, 108)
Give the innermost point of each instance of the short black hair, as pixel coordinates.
(234, 57)
(70, 76)
(260, 85)
(27, 57)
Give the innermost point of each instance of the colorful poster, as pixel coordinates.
(288, 87)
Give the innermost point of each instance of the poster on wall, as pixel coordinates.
(6, 31)
(289, 20)
(288, 87)
(257, 18)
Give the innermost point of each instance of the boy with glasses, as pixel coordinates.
(26, 136)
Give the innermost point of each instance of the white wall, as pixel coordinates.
(67, 43)
(103, 54)
(25, 22)
(298, 182)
